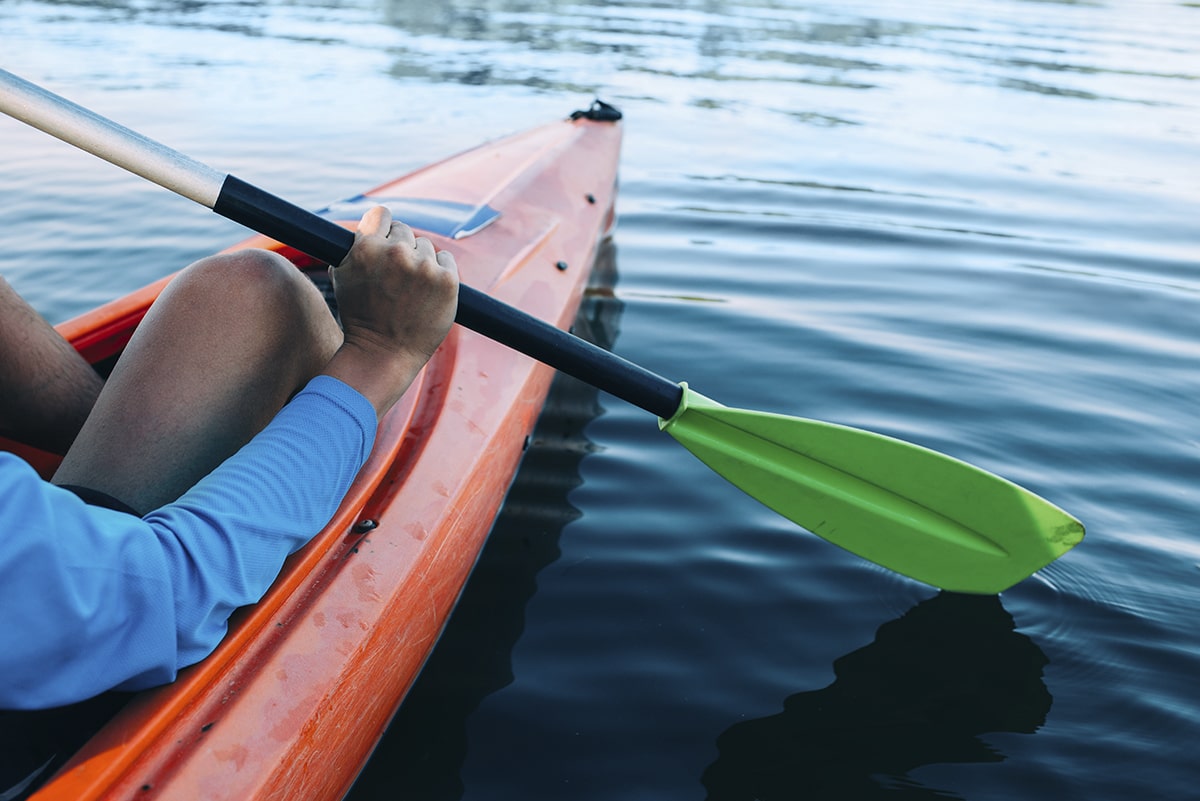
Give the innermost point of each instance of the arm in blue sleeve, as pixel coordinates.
(93, 599)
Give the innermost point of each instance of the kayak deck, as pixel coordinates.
(292, 702)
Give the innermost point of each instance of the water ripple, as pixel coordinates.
(967, 224)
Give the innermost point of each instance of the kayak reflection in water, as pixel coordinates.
(949, 670)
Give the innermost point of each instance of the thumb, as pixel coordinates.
(376, 222)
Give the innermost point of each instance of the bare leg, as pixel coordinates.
(46, 388)
(220, 352)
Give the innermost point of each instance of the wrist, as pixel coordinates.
(380, 375)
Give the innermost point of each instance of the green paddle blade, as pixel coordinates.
(907, 508)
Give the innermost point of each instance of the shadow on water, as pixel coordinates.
(951, 669)
(426, 743)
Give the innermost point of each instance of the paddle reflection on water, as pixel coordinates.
(951, 669)
(427, 741)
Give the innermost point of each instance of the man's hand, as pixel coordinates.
(397, 298)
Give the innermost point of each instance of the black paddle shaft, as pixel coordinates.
(326, 240)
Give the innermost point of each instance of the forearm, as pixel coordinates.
(236, 526)
(133, 600)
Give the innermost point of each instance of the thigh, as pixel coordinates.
(46, 388)
(228, 342)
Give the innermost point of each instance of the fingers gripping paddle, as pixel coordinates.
(912, 510)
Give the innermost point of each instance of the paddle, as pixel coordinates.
(907, 508)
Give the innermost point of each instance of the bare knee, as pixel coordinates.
(257, 279)
(255, 293)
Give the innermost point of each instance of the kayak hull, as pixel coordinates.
(293, 701)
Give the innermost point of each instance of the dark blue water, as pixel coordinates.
(972, 225)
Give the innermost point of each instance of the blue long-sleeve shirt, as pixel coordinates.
(93, 599)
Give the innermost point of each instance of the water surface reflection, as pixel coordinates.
(951, 669)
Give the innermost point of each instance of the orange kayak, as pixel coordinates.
(293, 701)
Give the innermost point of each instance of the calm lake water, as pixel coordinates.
(969, 224)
